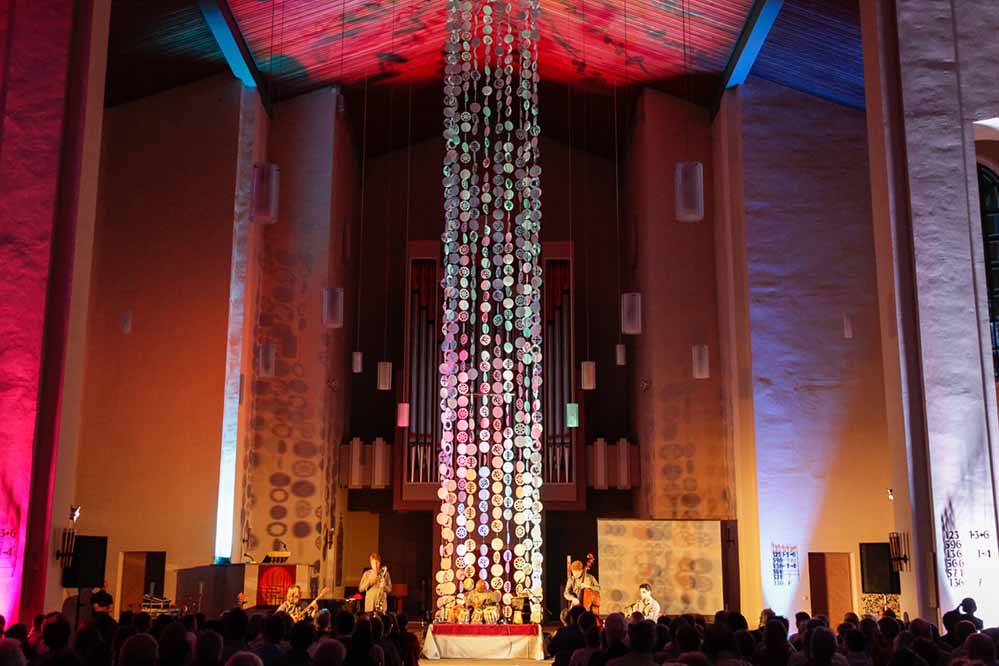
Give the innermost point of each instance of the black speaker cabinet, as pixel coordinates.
(89, 562)
(876, 573)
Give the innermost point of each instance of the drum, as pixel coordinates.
(490, 614)
(453, 613)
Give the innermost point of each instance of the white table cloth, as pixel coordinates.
(484, 641)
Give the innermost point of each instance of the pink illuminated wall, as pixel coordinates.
(40, 130)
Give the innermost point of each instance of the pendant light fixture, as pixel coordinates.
(620, 352)
(588, 368)
(572, 415)
(385, 365)
(631, 302)
(357, 358)
(688, 177)
(402, 409)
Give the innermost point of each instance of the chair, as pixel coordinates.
(399, 592)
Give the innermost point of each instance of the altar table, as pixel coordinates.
(484, 641)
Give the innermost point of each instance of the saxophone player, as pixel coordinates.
(375, 584)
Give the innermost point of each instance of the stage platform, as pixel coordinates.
(488, 643)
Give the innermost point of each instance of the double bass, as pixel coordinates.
(590, 599)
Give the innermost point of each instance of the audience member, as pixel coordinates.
(641, 643)
(208, 648)
(328, 652)
(244, 658)
(612, 640)
(568, 639)
(139, 650)
(12, 652)
(389, 651)
(409, 644)
(342, 640)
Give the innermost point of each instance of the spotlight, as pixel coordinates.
(891, 495)
(74, 513)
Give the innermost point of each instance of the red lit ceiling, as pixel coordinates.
(302, 44)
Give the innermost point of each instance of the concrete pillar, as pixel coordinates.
(290, 479)
(736, 367)
(921, 101)
(43, 91)
(686, 469)
(243, 298)
(64, 486)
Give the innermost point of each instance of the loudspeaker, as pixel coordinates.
(701, 362)
(876, 574)
(267, 361)
(264, 198)
(688, 189)
(89, 560)
(631, 313)
(333, 307)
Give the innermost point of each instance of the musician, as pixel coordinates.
(294, 606)
(579, 580)
(483, 603)
(375, 584)
(646, 605)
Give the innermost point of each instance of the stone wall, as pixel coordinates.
(821, 441)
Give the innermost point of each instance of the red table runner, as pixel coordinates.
(486, 629)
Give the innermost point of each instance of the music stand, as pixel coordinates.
(276, 557)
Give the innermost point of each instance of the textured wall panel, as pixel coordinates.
(680, 559)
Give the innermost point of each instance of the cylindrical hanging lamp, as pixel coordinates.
(384, 375)
(631, 313)
(572, 415)
(402, 415)
(588, 375)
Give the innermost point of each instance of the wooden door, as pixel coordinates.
(133, 581)
(830, 577)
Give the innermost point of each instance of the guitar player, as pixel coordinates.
(298, 609)
(579, 579)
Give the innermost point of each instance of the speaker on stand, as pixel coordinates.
(86, 566)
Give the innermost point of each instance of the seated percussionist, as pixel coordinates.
(646, 605)
(579, 580)
(483, 603)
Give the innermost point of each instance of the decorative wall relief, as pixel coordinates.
(680, 559)
(874, 604)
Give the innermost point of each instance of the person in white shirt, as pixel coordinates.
(375, 584)
(646, 605)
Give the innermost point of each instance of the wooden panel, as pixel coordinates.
(133, 580)
(830, 584)
(398, 532)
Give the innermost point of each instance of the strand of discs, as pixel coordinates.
(490, 371)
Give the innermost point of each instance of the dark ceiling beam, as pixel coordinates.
(223, 25)
(760, 20)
